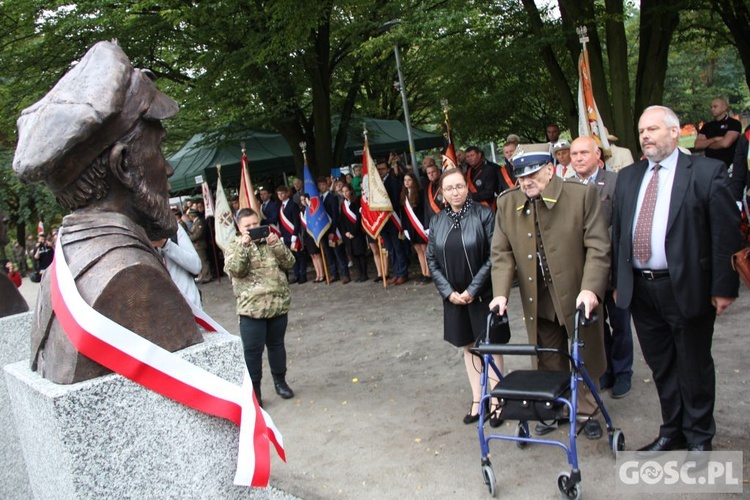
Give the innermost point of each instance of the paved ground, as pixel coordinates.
(380, 398)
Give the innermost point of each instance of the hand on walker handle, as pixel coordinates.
(589, 301)
(499, 302)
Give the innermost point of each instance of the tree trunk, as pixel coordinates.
(567, 103)
(346, 113)
(659, 19)
(317, 66)
(736, 15)
(617, 52)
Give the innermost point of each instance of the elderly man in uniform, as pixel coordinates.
(554, 233)
(561, 150)
(95, 140)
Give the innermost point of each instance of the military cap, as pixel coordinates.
(527, 163)
(97, 102)
(193, 211)
(560, 145)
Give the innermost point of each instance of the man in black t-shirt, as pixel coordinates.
(719, 137)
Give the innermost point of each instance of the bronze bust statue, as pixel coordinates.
(95, 140)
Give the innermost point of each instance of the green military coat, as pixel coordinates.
(577, 246)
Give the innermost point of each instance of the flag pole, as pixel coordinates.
(382, 263)
(213, 231)
(303, 147)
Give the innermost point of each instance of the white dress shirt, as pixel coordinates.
(668, 166)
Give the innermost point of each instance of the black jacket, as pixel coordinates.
(477, 227)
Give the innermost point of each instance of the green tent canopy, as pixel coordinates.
(269, 153)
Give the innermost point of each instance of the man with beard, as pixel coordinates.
(481, 176)
(95, 140)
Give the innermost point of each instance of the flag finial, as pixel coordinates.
(218, 169)
(242, 145)
(303, 147)
(582, 35)
(364, 131)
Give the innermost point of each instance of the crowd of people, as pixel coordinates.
(555, 220)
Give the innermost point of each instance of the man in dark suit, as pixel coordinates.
(269, 207)
(392, 232)
(618, 337)
(674, 229)
(290, 229)
(331, 244)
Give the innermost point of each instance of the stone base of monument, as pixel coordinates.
(111, 438)
(14, 347)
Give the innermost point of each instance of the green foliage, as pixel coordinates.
(25, 205)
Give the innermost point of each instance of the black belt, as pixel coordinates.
(650, 274)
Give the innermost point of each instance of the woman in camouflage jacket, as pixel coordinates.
(258, 271)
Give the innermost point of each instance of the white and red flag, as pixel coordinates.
(589, 120)
(376, 207)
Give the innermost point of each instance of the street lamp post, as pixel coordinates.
(386, 27)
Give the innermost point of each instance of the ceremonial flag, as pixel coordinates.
(208, 200)
(450, 160)
(40, 228)
(449, 152)
(316, 217)
(376, 207)
(589, 120)
(247, 193)
(225, 230)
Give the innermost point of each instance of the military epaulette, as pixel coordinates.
(509, 190)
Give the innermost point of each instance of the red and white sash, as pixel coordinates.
(416, 224)
(397, 221)
(134, 357)
(348, 213)
(285, 222)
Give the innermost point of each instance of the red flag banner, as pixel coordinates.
(376, 207)
(449, 153)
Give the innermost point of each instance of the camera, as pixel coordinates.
(257, 233)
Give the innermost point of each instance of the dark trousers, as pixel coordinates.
(397, 250)
(618, 340)
(257, 334)
(678, 351)
(300, 266)
(554, 335)
(336, 259)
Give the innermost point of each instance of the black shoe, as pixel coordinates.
(621, 388)
(700, 454)
(469, 418)
(301, 282)
(664, 444)
(496, 418)
(542, 428)
(293, 281)
(606, 382)
(378, 279)
(256, 390)
(282, 388)
(592, 429)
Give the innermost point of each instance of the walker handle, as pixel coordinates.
(512, 349)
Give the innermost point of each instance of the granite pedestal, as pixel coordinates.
(14, 346)
(111, 438)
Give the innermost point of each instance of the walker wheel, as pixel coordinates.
(567, 488)
(521, 432)
(617, 441)
(489, 478)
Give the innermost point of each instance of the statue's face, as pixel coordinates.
(151, 192)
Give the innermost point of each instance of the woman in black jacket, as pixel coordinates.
(350, 226)
(458, 255)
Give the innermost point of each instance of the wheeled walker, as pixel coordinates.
(541, 396)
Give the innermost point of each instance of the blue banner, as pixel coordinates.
(318, 220)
